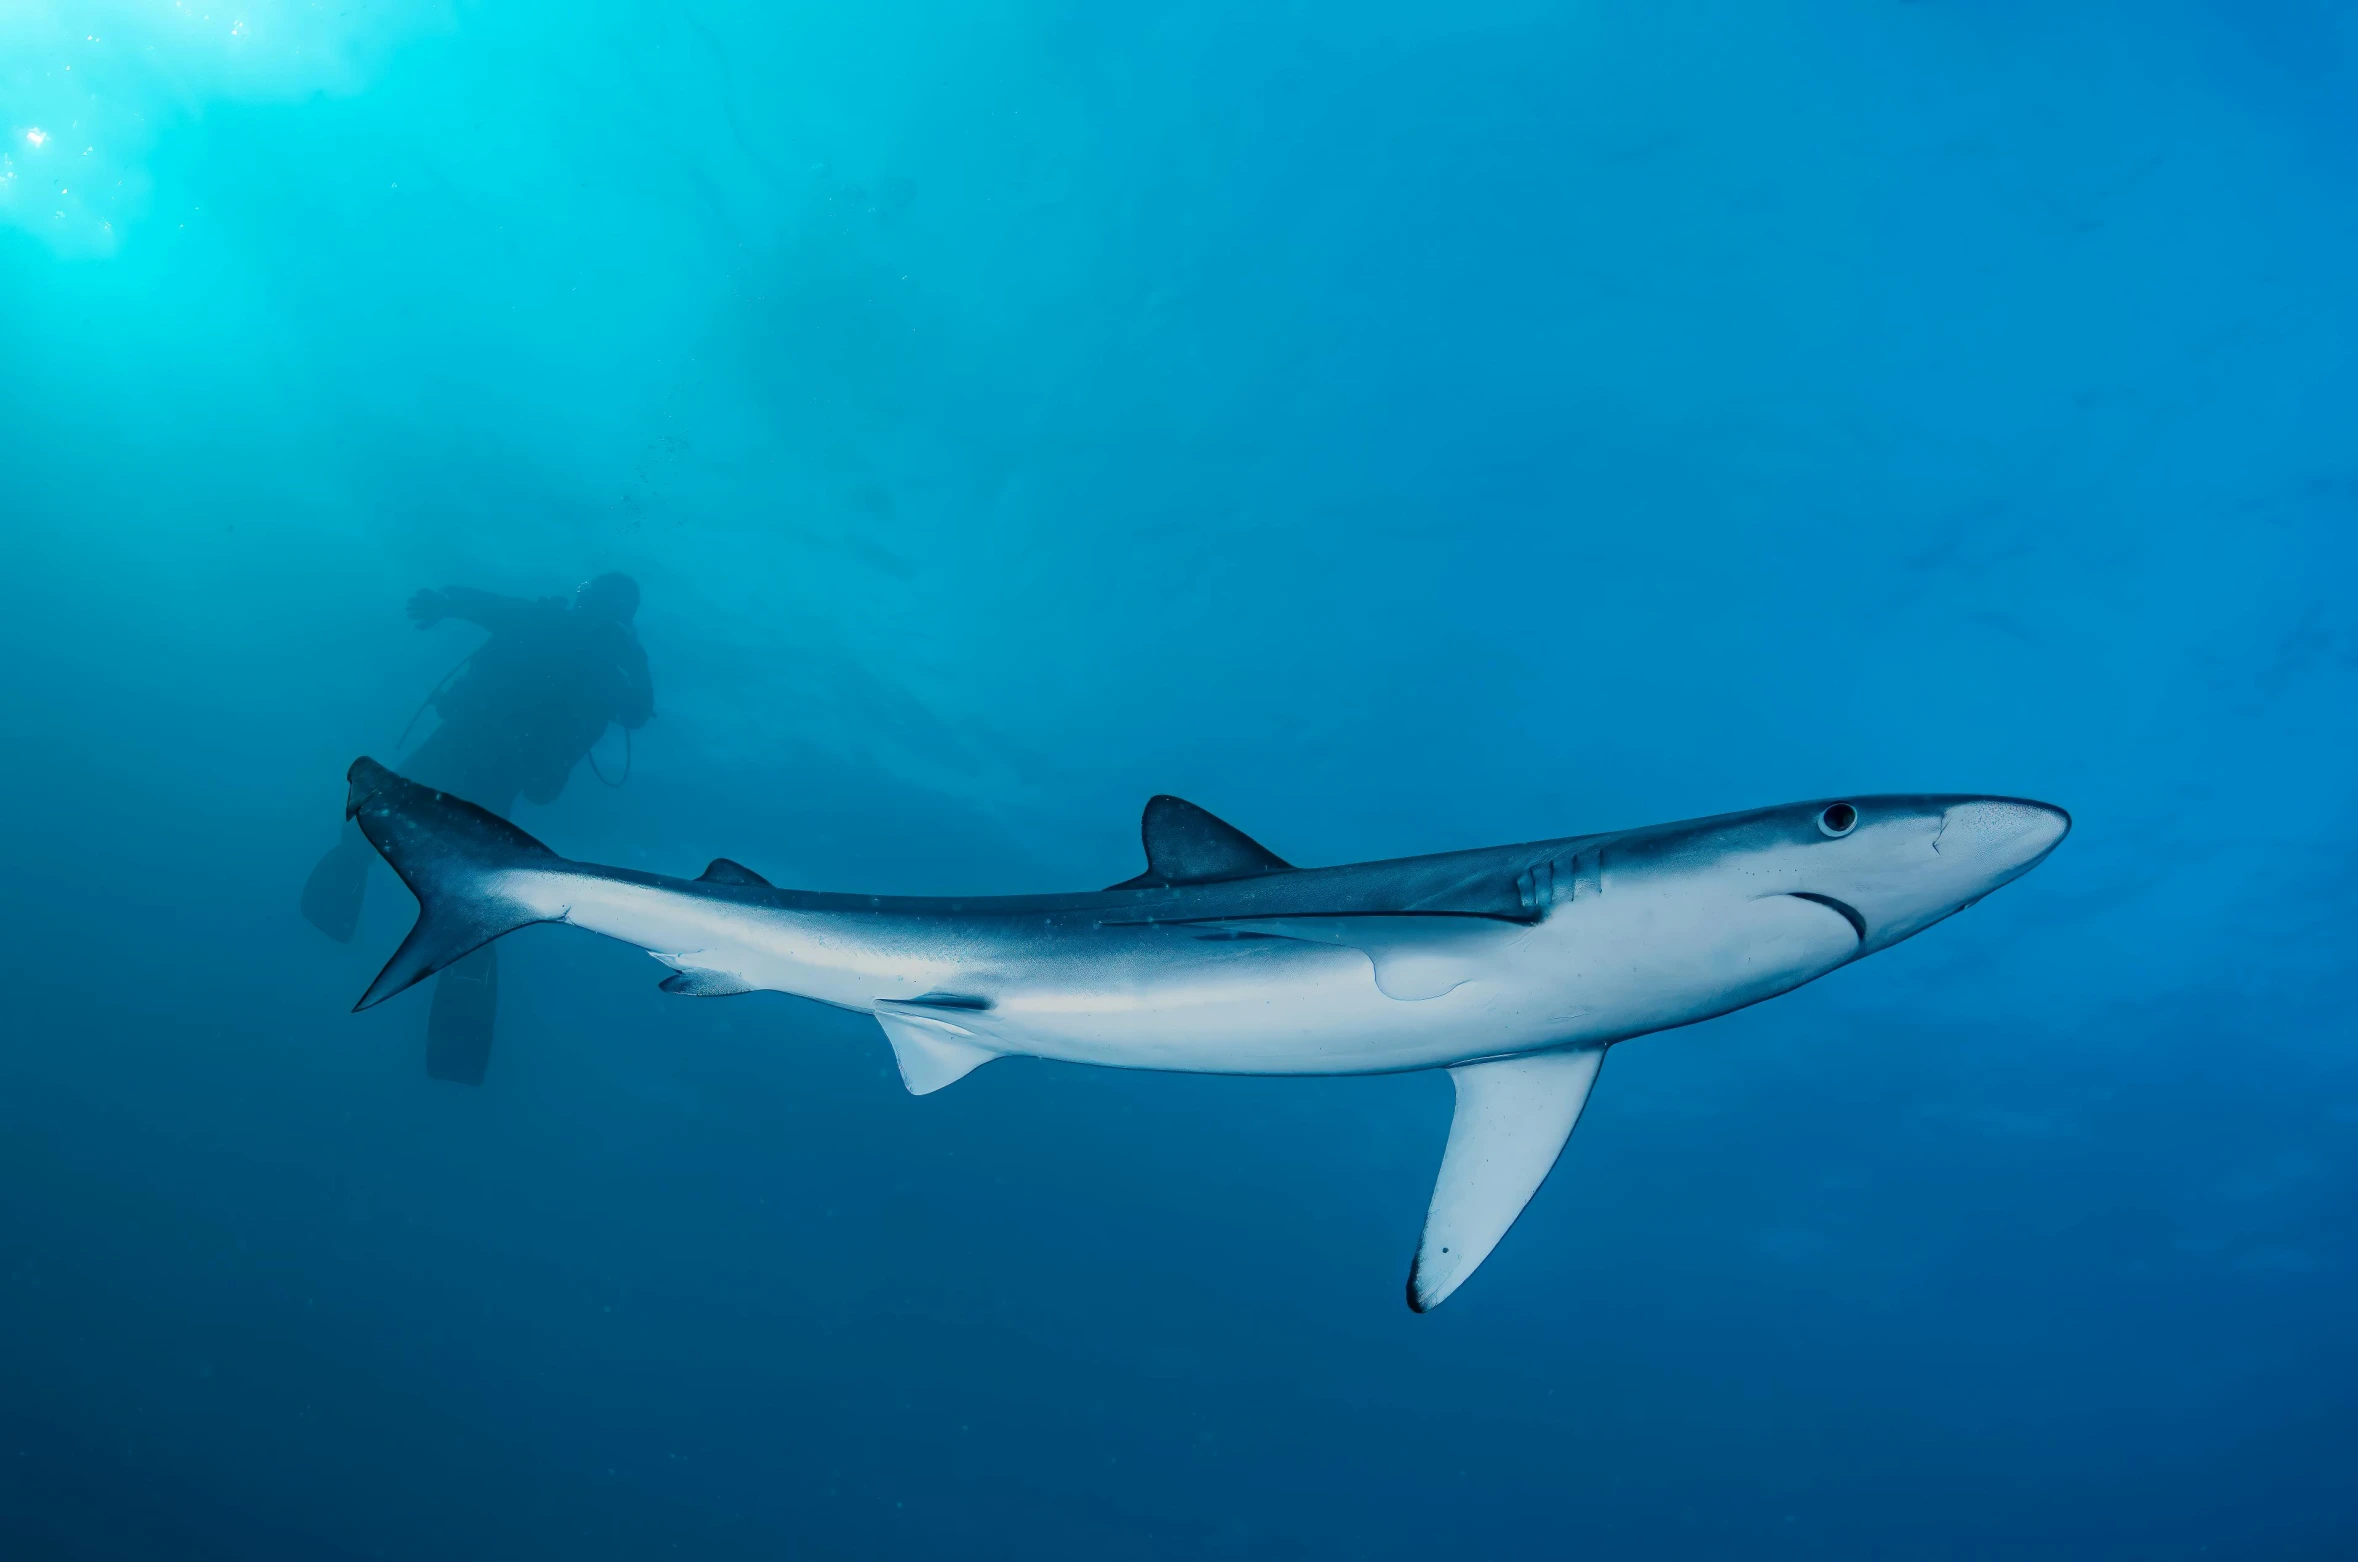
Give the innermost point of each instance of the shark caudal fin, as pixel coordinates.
(452, 855)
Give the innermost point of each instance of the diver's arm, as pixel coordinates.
(494, 612)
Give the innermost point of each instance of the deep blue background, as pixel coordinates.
(1396, 427)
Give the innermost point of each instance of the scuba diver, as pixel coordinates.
(517, 715)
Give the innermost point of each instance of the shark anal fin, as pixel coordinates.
(969, 1002)
(696, 983)
(723, 871)
(933, 1051)
(1186, 845)
(691, 978)
(1512, 1119)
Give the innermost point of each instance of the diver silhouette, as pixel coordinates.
(517, 715)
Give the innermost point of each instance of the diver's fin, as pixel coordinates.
(1185, 845)
(1415, 957)
(932, 1049)
(1512, 1119)
(338, 884)
(724, 871)
(452, 855)
(458, 1027)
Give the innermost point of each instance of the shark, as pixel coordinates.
(1513, 968)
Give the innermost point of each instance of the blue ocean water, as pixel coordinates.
(1394, 427)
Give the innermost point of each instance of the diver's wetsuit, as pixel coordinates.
(520, 714)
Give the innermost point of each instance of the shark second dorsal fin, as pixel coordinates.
(724, 871)
(1186, 845)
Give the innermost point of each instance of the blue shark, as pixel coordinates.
(1514, 968)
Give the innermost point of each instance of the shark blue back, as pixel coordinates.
(1513, 967)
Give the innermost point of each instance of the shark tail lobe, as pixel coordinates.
(452, 855)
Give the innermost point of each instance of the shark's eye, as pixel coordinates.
(1838, 820)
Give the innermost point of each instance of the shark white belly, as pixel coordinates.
(1512, 967)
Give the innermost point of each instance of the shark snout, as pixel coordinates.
(2002, 835)
(1933, 862)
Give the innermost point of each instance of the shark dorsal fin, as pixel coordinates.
(1185, 845)
(724, 871)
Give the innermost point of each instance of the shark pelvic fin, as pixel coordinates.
(1186, 845)
(724, 871)
(932, 1049)
(1513, 1116)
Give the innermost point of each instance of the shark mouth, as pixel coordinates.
(1843, 909)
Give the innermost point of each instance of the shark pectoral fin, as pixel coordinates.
(932, 1051)
(1415, 956)
(1512, 1119)
(1412, 975)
